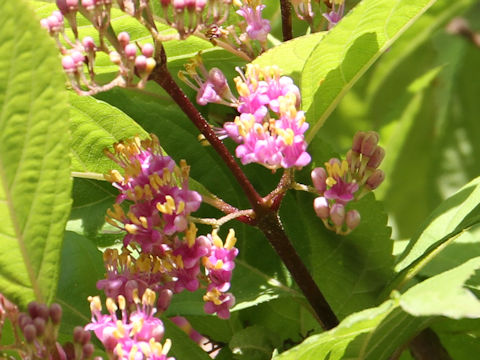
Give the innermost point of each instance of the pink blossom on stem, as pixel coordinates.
(257, 27)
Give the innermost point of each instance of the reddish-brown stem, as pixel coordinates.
(286, 9)
(265, 215)
(272, 228)
(162, 76)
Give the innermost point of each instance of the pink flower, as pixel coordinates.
(133, 335)
(257, 28)
(272, 142)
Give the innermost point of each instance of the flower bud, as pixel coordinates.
(32, 308)
(30, 333)
(59, 353)
(352, 219)
(148, 50)
(219, 82)
(376, 157)
(115, 57)
(68, 64)
(200, 5)
(88, 350)
(88, 43)
(130, 51)
(337, 214)
(320, 205)
(141, 63)
(40, 325)
(164, 298)
(78, 334)
(77, 57)
(58, 15)
(369, 143)
(123, 38)
(357, 141)
(375, 179)
(179, 5)
(55, 313)
(319, 176)
(24, 320)
(88, 4)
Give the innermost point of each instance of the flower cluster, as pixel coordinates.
(342, 181)
(256, 28)
(159, 191)
(187, 16)
(132, 335)
(332, 11)
(170, 254)
(79, 54)
(270, 128)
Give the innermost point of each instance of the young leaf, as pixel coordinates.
(349, 49)
(34, 157)
(96, 125)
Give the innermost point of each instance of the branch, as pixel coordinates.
(264, 210)
(272, 228)
(162, 76)
(460, 26)
(286, 9)
(427, 345)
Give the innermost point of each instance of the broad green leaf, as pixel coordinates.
(290, 56)
(349, 49)
(361, 262)
(252, 343)
(430, 298)
(96, 125)
(447, 222)
(34, 158)
(375, 333)
(81, 267)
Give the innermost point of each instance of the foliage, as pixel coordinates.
(410, 266)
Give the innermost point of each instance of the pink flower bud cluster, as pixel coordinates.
(335, 14)
(159, 191)
(219, 265)
(341, 182)
(187, 16)
(78, 55)
(128, 334)
(158, 226)
(270, 129)
(257, 28)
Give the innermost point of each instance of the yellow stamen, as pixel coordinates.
(231, 240)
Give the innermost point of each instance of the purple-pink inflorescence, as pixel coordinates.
(270, 128)
(157, 222)
(343, 181)
(257, 27)
(129, 334)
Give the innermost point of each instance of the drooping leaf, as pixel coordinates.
(34, 161)
(375, 333)
(349, 49)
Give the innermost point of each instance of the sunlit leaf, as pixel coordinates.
(34, 158)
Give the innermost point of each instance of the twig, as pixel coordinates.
(286, 9)
(460, 26)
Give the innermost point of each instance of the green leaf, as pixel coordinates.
(375, 333)
(182, 346)
(290, 56)
(361, 262)
(430, 298)
(96, 125)
(445, 224)
(81, 267)
(34, 158)
(349, 49)
(252, 343)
